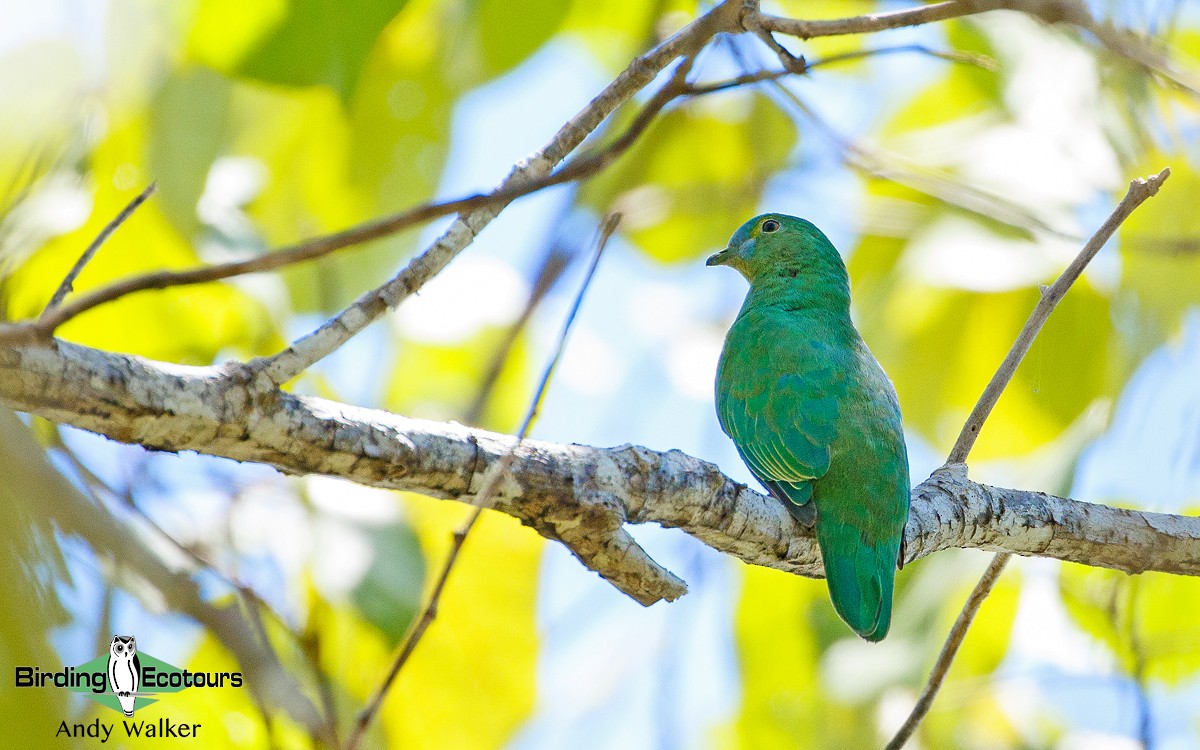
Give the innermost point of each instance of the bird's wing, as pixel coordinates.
(784, 425)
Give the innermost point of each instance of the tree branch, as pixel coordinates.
(528, 176)
(949, 649)
(577, 495)
(1140, 190)
(490, 482)
(1120, 42)
(873, 22)
(68, 283)
(313, 347)
(534, 174)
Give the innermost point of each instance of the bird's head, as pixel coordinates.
(779, 245)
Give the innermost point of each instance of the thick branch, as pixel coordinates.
(578, 495)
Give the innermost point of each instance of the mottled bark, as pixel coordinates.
(580, 496)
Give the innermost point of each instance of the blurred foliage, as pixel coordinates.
(31, 567)
(1159, 246)
(785, 703)
(478, 660)
(266, 122)
(1151, 622)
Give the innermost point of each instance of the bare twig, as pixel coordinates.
(886, 165)
(68, 283)
(1141, 690)
(688, 41)
(483, 499)
(752, 22)
(555, 261)
(872, 22)
(949, 650)
(579, 168)
(965, 58)
(1140, 190)
(1120, 42)
(313, 347)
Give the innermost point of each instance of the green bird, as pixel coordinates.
(813, 414)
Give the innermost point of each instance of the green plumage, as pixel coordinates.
(812, 413)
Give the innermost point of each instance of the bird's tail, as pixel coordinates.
(860, 577)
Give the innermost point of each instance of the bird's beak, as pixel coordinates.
(721, 258)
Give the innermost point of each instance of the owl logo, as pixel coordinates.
(124, 671)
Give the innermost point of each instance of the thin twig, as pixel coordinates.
(872, 22)
(582, 167)
(1140, 190)
(950, 650)
(889, 166)
(1138, 672)
(555, 261)
(68, 283)
(311, 644)
(1119, 41)
(964, 58)
(483, 500)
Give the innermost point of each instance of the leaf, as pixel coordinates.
(224, 32)
(1160, 256)
(784, 701)
(187, 134)
(613, 31)
(319, 42)
(33, 577)
(389, 594)
(302, 138)
(232, 709)
(940, 345)
(987, 641)
(452, 375)
(478, 659)
(1152, 618)
(965, 91)
(508, 35)
(400, 115)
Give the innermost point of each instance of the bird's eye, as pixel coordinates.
(770, 225)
